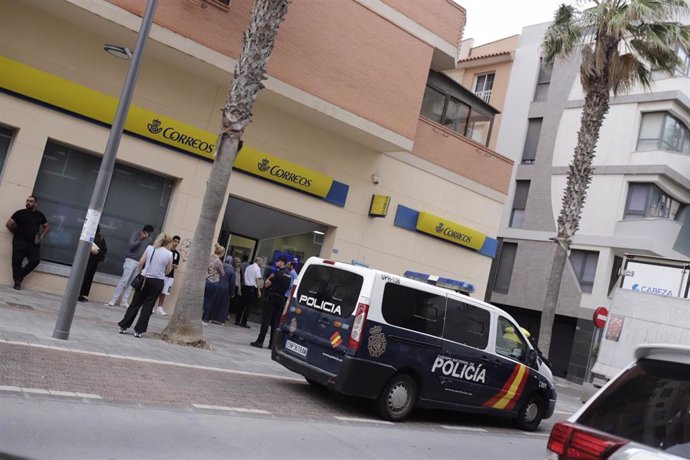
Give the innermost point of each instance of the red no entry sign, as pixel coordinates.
(600, 316)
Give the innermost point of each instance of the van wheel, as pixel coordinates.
(313, 382)
(531, 413)
(397, 399)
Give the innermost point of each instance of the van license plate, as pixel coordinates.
(297, 348)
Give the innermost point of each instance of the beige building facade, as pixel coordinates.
(342, 112)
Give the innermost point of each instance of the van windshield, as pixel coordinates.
(330, 289)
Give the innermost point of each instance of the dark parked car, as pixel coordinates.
(641, 414)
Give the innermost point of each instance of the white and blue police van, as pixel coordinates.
(406, 344)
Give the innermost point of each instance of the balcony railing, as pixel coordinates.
(483, 95)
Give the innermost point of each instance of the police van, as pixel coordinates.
(406, 344)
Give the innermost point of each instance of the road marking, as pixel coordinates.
(154, 361)
(41, 391)
(63, 393)
(529, 433)
(232, 409)
(464, 428)
(38, 391)
(562, 412)
(363, 420)
(10, 388)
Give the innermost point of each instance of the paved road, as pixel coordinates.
(122, 397)
(134, 380)
(45, 428)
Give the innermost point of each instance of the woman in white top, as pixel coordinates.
(155, 263)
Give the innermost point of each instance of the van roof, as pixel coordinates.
(365, 271)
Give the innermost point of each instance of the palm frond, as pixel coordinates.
(563, 35)
(625, 72)
(588, 66)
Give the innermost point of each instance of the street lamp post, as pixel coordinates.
(105, 174)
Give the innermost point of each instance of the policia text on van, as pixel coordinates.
(407, 344)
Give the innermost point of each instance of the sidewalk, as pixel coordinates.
(29, 317)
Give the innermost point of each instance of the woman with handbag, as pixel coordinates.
(155, 263)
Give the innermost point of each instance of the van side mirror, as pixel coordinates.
(533, 358)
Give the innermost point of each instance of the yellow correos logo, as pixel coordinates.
(451, 231)
(281, 171)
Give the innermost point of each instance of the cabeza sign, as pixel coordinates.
(450, 231)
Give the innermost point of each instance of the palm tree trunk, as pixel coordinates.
(578, 180)
(259, 38)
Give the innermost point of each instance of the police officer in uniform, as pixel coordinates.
(276, 284)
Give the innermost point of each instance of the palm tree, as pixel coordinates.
(185, 324)
(620, 42)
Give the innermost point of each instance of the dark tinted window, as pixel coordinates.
(467, 324)
(509, 342)
(412, 309)
(326, 288)
(648, 404)
(5, 138)
(63, 187)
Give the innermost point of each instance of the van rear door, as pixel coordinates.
(322, 313)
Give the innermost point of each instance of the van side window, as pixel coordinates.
(509, 342)
(467, 324)
(412, 309)
(328, 288)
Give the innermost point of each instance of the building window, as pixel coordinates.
(413, 309)
(504, 272)
(541, 93)
(479, 127)
(434, 104)
(663, 131)
(684, 68)
(467, 324)
(517, 214)
(63, 186)
(5, 138)
(529, 151)
(585, 266)
(649, 201)
(456, 115)
(483, 86)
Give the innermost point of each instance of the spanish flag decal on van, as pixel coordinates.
(336, 340)
(511, 391)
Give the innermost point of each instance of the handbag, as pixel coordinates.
(140, 280)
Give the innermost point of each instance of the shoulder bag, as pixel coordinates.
(140, 280)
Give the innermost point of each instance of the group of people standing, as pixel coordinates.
(232, 285)
(235, 286)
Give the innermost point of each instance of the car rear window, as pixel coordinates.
(648, 404)
(330, 289)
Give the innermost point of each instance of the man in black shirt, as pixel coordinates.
(28, 226)
(276, 284)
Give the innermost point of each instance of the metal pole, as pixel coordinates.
(100, 190)
(596, 337)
